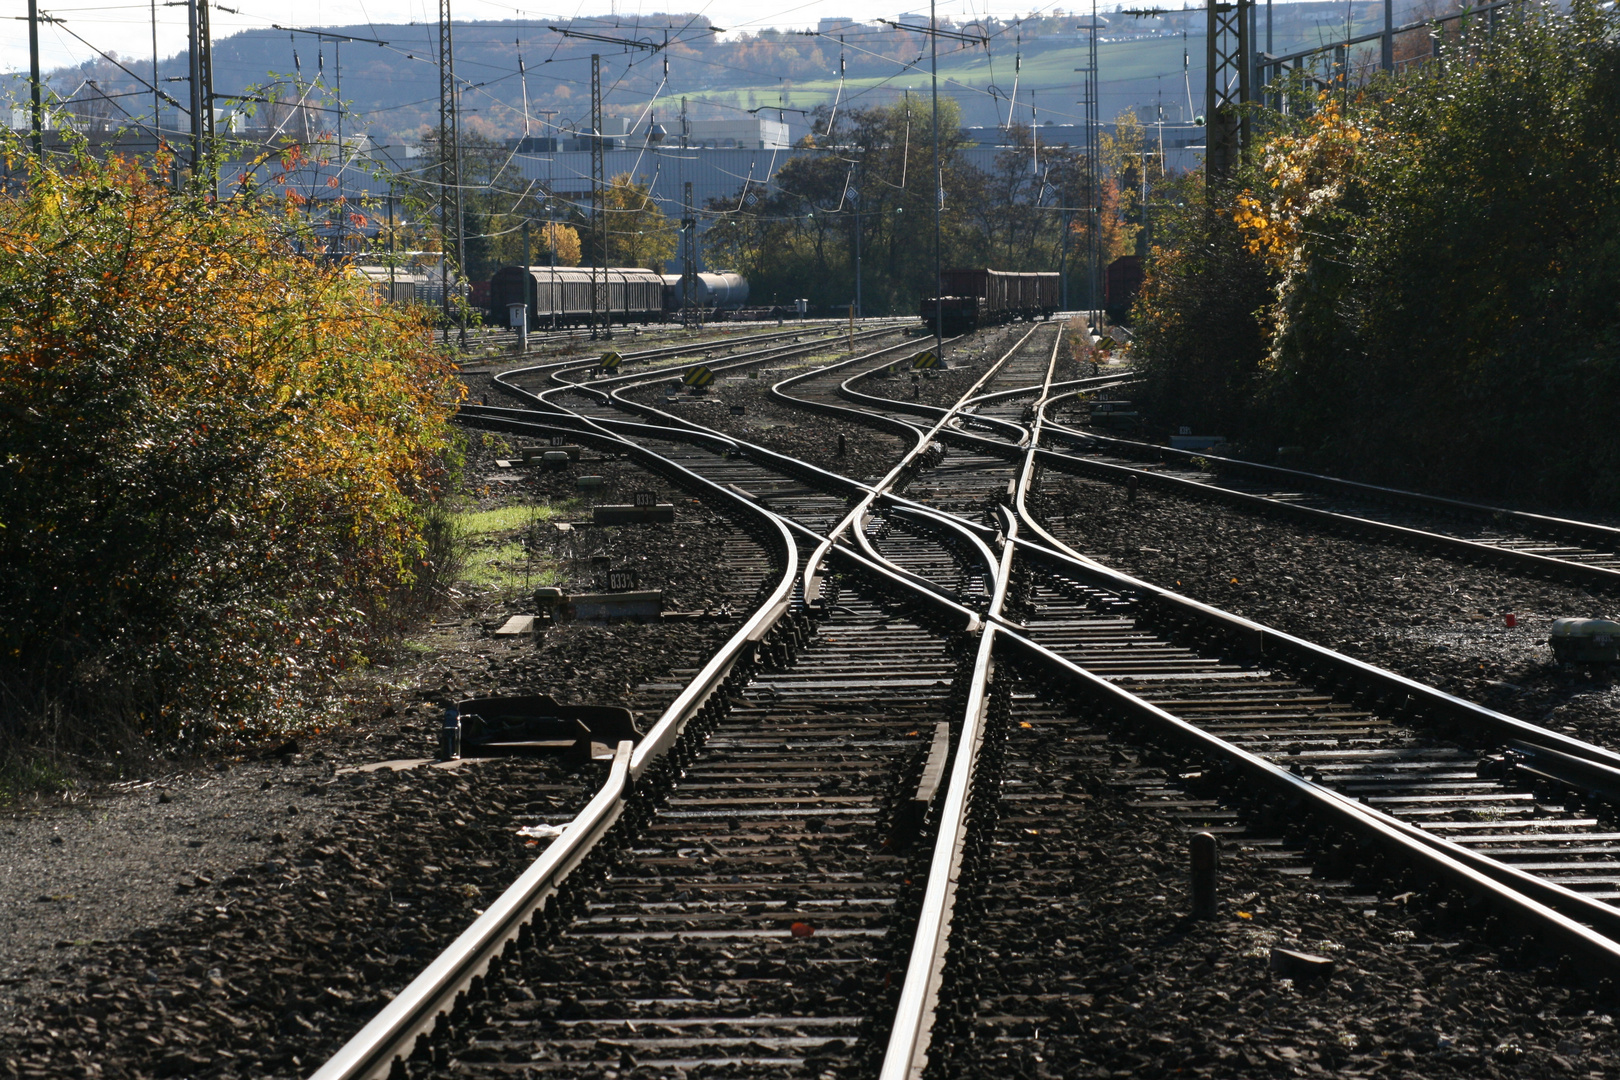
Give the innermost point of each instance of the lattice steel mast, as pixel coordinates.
(449, 160)
(599, 283)
(1227, 86)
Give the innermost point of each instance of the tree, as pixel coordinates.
(1019, 212)
(638, 233)
(797, 236)
(1446, 274)
(561, 241)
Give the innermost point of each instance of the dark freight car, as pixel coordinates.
(973, 298)
(563, 295)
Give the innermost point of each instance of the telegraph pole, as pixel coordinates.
(599, 282)
(1093, 171)
(939, 178)
(1227, 86)
(855, 197)
(688, 255)
(1386, 49)
(934, 34)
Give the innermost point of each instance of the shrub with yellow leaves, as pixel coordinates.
(215, 456)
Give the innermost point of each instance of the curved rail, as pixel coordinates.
(392, 1034)
(1569, 530)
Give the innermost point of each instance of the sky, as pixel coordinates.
(126, 28)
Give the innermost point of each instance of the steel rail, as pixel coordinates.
(1504, 729)
(1259, 640)
(907, 1051)
(1018, 434)
(972, 535)
(911, 1034)
(1562, 912)
(738, 362)
(1457, 865)
(780, 461)
(1542, 524)
(1601, 951)
(1422, 538)
(813, 576)
(1454, 866)
(651, 379)
(577, 362)
(392, 1034)
(1075, 386)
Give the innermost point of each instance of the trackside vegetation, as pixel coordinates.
(219, 464)
(1419, 281)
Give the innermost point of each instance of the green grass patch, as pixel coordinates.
(472, 523)
(506, 566)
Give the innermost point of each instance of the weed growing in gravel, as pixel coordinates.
(34, 776)
(496, 551)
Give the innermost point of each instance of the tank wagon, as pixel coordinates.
(563, 295)
(724, 291)
(974, 298)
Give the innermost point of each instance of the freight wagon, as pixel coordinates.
(564, 295)
(974, 298)
(724, 291)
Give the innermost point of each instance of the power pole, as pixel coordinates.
(449, 159)
(1386, 50)
(688, 256)
(1226, 87)
(202, 83)
(37, 108)
(1088, 101)
(939, 179)
(934, 34)
(855, 200)
(599, 281)
(599, 284)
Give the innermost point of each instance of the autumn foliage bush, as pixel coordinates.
(216, 458)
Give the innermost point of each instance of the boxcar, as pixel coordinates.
(974, 298)
(563, 295)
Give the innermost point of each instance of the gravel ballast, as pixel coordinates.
(1437, 620)
(243, 917)
(1088, 964)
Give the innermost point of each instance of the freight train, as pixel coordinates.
(564, 295)
(970, 299)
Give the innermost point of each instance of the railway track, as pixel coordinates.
(749, 924)
(1580, 552)
(933, 596)
(688, 352)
